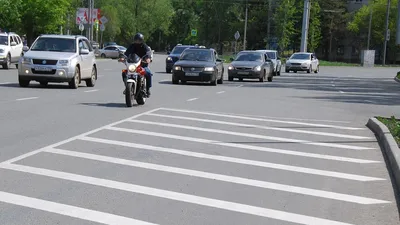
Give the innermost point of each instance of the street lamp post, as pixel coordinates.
(306, 20)
(386, 33)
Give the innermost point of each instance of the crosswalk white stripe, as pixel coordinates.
(68, 210)
(324, 144)
(193, 199)
(242, 146)
(264, 120)
(221, 177)
(261, 127)
(316, 171)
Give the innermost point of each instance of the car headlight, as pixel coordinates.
(132, 68)
(257, 68)
(209, 69)
(169, 59)
(230, 67)
(305, 64)
(26, 60)
(63, 62)
(1, 50)
(177, 68)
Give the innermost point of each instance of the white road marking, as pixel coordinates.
(333, 85)
(240, 86)
(262, 127)
(92, 90)
(221, 177)
(369, 101)
(220, 92)
(76, 137)
(192, 99)
(24, 99)
(176, 196)
(164, 80)
(264, 120)
(305, 142)
(68, 210)
(342, 92)
(5, 83)
(242, 146)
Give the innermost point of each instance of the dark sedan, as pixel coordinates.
(251, 65)
(198, 64)
(174, 56)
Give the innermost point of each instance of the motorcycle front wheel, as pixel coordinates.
(129, 94)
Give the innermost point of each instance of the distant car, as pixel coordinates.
(174, 56)
(58, 58)
(251, 65)
(302, 61)
(10, 49)
(276, 60)
(199, 64)
(112, 51)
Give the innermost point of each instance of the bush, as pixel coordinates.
(394, 126)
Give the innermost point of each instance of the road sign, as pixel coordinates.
(102, 27)
(103, 20)
(194, 33)
(81, 27)
(237, 35)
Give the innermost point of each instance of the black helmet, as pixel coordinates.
(138, 37)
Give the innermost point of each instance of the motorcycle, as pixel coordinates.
(135, 86)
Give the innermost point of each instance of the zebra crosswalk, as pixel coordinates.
(179, 166)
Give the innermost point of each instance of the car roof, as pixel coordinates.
(302, 53)
(62, 36)
(264, 50)
(250, 51)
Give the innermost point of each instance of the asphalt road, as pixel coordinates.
(294, 151)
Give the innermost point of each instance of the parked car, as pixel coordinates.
(112, 51)
(11, 46)
(199, 64)
(251, 65)
(174, 56)
(58, 58)
(302, 61)
(276, 60)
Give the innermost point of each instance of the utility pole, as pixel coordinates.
(245, 27)
(386, 33)
(369, 27)
(306, 19)
(269, 24)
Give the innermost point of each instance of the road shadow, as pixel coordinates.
(107, 105)
(378, 91)
(39, 86)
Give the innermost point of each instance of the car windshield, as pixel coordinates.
(271, 55)
(3, 40)
(54, 45)
(196, 55)
(122, 48)
(178, 50)
(255, 57)
(300, 56)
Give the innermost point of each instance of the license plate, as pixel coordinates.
(43, 69)
(243, 73)
(192, 74)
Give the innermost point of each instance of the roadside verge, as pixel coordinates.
(388, 145)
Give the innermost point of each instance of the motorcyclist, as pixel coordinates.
(141, 49)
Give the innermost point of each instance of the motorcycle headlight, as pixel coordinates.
(132, 68)
(257, 68)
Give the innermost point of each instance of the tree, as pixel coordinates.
(314, 33)
(284, 19)
(10, 16)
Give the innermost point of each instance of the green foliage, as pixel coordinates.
(314, 34)
(10, 16)
(285, 23)
(393, 125)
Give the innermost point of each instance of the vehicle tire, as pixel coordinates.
(44, 83)
(183, 82)
(214, 81)
(74, 83)
(309, 69)
(279, 71)
(317, 70)
(240, 79)
(168, 70)
(270, 79)
(103, 55)
(221, 80)
(93, 77)
(8, 63)
(175, 80)
(16, 66)
(23, 82)
(230, 78)
(294, 71)
(287, 71)
(129, 95)
(261, 79)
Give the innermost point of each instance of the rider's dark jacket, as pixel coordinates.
(140, 50)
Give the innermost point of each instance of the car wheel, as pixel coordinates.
(214, 81)
(230, 78)
(74, 83)
(103, 55)
(23, 82)
(8, 63)
(240, 79)
(317, 70)
(175, 80)
(279, 71)
(93, 77)
(287, 71)
(221, 80)
(44, 83)
(261, 79)
(168, 70)
(309, 69)
(270, 79)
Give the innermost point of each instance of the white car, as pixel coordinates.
(112, 51)
(10, 49)
(302, 61)
(276, 60)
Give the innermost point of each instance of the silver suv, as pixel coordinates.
(10, 49)
(58, 58)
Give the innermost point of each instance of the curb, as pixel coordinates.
(389, 146)
(397, 79)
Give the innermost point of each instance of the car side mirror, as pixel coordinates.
(168, 52)
(84, 51)
(279, 58)
(268, 60)
(25, 48)
(219, 60)
(13, 43)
